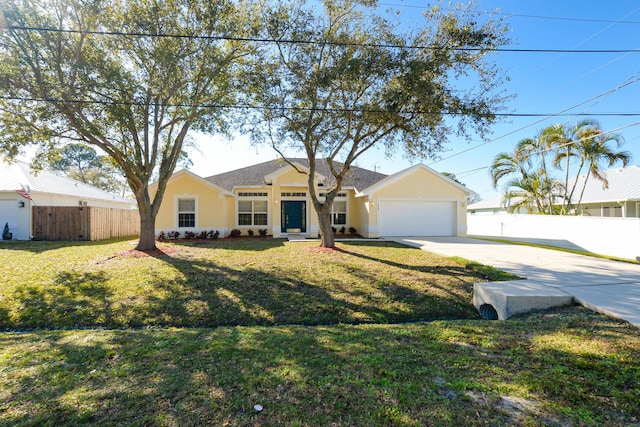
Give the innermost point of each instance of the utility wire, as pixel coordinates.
(519, 15)
(329, 110)
(629, 81)
(323, 42)
(545, 150)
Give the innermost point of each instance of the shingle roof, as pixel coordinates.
(254, 175)
(18, 176)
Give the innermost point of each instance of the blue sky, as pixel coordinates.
(546, 83)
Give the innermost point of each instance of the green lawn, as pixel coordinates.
(227, 282)
(356, 366)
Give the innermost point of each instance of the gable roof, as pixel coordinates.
(255, 175)
(396, 176)
(19, 176)
(186, 173)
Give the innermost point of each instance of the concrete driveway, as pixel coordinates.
(608, 287)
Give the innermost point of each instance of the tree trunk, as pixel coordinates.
(327, 238)
(147, 240)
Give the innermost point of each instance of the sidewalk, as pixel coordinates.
(608, 287)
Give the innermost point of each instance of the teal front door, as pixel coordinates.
(294, 216)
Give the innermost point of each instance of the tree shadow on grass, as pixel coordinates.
(420, 374)
(206, 291)
(76, 299)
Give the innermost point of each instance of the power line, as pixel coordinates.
(629, 81)
(326, 42)
(519, 15)
(329, 110)
(544, 150)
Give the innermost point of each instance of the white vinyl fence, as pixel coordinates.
(618, 237)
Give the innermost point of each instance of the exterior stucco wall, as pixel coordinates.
(212, 208)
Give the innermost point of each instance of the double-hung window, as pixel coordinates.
(339, 212)
(252, 212)
(186, 212)
(339, 209)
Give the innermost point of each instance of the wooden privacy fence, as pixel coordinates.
(83, 223)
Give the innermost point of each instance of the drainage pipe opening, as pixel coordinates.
(488, 312)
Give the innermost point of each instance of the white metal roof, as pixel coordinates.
(19, 176)
(624, 185)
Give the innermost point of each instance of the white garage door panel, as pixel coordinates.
(9, 214)
(417, 218)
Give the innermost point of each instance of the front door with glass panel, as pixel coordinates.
(294, 216)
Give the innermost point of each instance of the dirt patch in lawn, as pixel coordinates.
(160, 250)
(321, 250)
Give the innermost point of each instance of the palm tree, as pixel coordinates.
(565, 140)
(532, 192)
(530, 174)
(505, 164)
(595, 152)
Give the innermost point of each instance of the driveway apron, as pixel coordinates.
(608, 287)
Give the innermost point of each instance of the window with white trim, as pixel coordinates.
(186, 213)
(252, 212)
(339, 212)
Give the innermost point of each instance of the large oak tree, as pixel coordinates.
(342, 80)
(131, 77)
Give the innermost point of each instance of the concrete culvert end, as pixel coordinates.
(488, 312)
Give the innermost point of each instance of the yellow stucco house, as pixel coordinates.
(274, 196)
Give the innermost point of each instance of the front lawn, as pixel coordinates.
(568, 367)
(227, 282)
(260, 332)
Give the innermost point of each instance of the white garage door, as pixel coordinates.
(9, 214)
(417, 218)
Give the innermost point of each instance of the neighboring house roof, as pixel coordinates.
(624, 184)
(252, 176)
(19, 176)
(494, 202)
(396, 176)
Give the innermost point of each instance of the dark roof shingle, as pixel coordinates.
(358, 178)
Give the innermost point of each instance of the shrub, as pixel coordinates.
(335, 230)
(203, 235)
(250, 232)
(162, 237)
(173, 235)
(342, 229)
(213, 234)
(235, 233)
(353, 230)
(189, 235)
(262, 232)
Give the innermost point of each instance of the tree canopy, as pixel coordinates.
(129, 77)
(82, 163)
(358, 81)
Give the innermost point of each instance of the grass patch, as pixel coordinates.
(489, 273)
(564, 367)
(558, 248)
(223, 326)
(228, 282)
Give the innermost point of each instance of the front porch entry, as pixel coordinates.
(293, 216)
